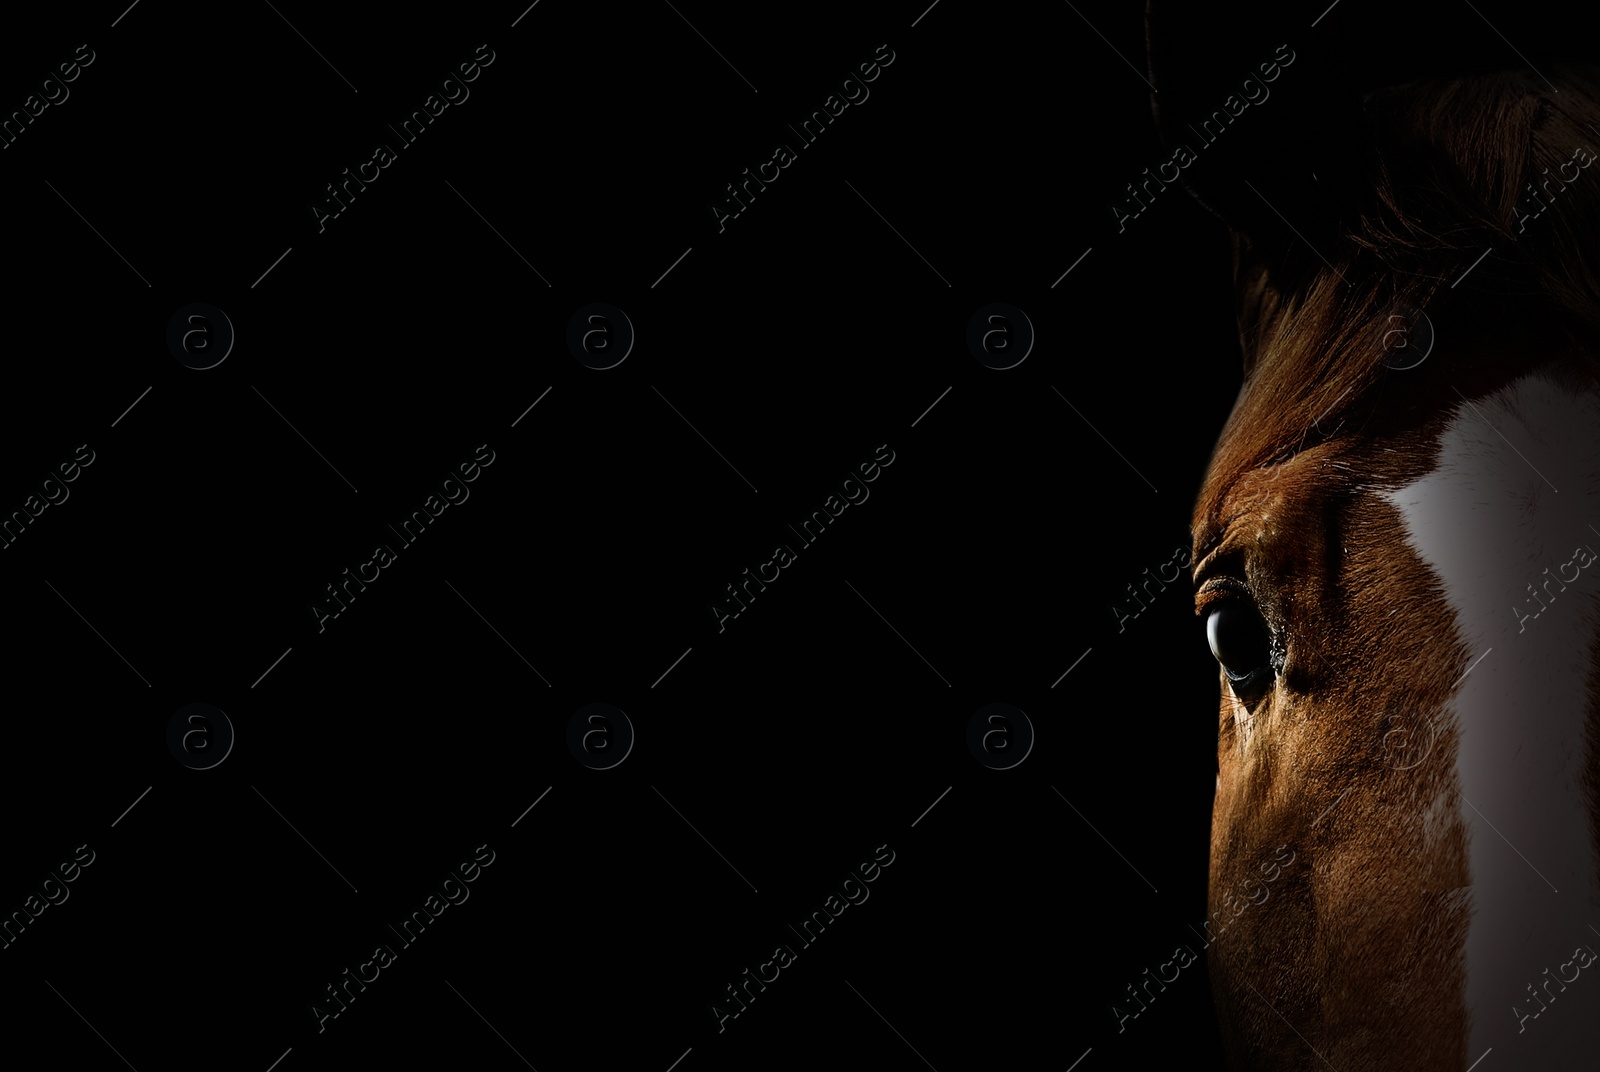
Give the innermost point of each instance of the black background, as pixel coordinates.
(819, 725)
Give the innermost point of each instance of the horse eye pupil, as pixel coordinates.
(1238, 639)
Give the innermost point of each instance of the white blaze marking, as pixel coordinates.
(1488, 525)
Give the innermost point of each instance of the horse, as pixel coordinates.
(1394, 555)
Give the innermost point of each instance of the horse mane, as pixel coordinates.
(1451, 165)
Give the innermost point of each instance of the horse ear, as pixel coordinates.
(1263, 128)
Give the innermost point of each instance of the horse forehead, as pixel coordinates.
(1275, 505)
(1317, 448)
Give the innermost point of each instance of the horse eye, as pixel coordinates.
(1240, 642)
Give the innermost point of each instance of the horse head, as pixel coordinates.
(1394, 544)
